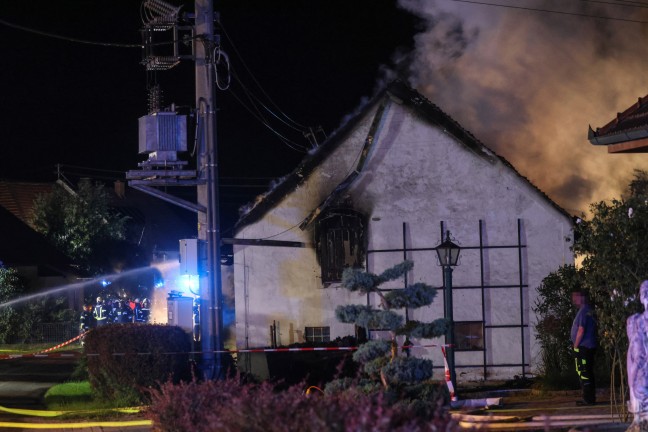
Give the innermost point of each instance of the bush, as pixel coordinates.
(126, 360)
(231, 406)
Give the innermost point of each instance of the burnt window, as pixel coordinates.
(469, 335)
(340, 239)
(317, 334)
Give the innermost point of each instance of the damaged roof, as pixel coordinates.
(627, 132)
(404, 95)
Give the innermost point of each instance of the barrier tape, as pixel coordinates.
(453, 396)
(61, 345)
(43, 353)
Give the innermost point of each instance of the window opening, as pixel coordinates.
(469, 335)
(317, 334)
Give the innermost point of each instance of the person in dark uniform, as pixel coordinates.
(87, 321)
(100, 312)
(583, 337)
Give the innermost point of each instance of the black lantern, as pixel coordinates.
(448, 252)
(448, 256)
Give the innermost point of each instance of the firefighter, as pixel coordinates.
(146, 310)
(100, 312)
(121, 313)
(87, 321)
(137, 311)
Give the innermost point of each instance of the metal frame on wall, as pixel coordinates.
(520, 287)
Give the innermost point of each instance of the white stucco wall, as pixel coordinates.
(416, 177)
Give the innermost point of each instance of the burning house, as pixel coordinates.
(388, 186)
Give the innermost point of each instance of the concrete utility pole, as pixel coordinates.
(163, 134)
(211, 292)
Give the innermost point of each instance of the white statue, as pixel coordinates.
(637, 328)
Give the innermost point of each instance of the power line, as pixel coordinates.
(482, 3)
(236, 51)
(67, 38)
(625, 4)
(289, 143)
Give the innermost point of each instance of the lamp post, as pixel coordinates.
(448, 253)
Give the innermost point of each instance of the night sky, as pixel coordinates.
(77, 104)
(526, 77)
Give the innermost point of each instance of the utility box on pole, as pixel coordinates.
(180, 313)
(191, 256)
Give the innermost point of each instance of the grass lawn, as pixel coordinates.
(76, 397)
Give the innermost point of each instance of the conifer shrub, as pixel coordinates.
(386, 367)
(125, 361)
(230, 405)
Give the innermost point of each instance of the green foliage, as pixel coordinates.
(372, 350)
(555, 315)
(379, 358)
(356, 280)
(396, 271)
(351, 313)
(419, 330)
(414, 296)
(408, 370)
(148, 355)
(18, 321)
(80, 225)
(613, 246)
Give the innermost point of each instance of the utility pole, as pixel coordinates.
(211, 293)
(163, 135)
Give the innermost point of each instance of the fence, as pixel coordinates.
(53, 332)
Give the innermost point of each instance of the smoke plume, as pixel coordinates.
(528, 83)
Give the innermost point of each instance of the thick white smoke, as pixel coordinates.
(528, 84)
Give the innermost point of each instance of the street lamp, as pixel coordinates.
(448, 253)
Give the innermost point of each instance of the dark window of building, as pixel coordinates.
(469, 335)
(340, 238)
(317, 334)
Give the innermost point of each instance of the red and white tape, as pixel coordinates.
(453, 396)
(43, 353)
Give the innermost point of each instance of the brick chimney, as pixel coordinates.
(120, 189)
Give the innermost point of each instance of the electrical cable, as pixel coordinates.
(483, 3)
(289, 143)
(66, 38)
(221, 54)
(267, 108)
(640, 5)
(236, 51)
(83, 41)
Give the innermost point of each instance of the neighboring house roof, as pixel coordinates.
(18, 198)
(627, 133)
(157, 222)
(22, 246)
(404, 95)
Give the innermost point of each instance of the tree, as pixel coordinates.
(614, 247)
(11, 286)
(18, 320)
(555, 315)
(380, 358)
(81, 225)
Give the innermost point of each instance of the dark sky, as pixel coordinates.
(77, 104)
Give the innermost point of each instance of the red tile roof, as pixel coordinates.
(629, 125)
(18, 197)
